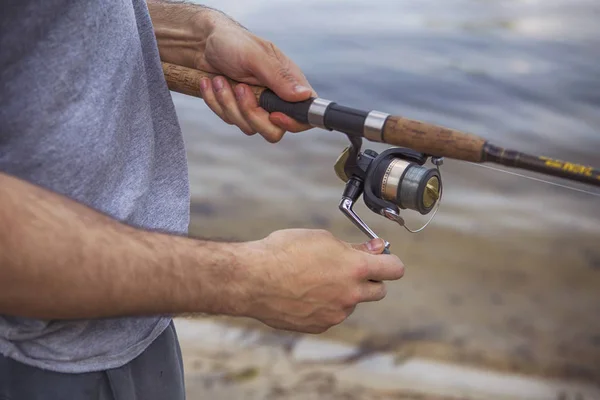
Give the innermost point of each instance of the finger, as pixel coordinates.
(227, 101)
(209, 98)
(296, 71)
(255, 116)
(384, 267)
(277, 72)
(373, 246)
(373, 291)
(287, 123)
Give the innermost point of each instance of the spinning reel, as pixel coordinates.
(393, 180)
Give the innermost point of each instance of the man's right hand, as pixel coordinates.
(312, 281)
(92, 266)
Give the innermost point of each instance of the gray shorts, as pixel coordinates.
(157, 374)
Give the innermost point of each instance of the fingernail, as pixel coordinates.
(218, 84)
(375, 245)
(301, 89)
(204, 84)
(239, 91)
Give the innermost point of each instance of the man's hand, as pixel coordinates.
(309, 281)
(222, 46)
(242, 56)
(62, 260)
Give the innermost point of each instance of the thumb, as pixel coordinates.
(373, 246)
(283, 77)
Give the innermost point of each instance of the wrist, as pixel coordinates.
(182, 30)
(244, 281)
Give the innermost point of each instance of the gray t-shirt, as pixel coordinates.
(85, 112)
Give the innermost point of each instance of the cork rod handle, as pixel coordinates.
(187, 80)
(434, 140)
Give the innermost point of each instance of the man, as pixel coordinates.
(94, 201)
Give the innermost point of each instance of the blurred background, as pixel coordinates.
(506, 280)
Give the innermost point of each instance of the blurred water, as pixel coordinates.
(523, 73)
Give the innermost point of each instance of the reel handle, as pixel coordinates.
(353, 190)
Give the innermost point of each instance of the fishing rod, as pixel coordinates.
(397, 178)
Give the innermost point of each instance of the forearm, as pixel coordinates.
(61, 259)
(182, 29)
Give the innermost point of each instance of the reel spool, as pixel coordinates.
(397, 179)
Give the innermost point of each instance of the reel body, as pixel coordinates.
(396, 179)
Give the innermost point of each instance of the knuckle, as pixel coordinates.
(248, 111)
(244, 111)
(224, 99)
(352, 299)
(272, 138)
(274, 235)
(317, 329)
(273, 51)
(382, 292)
(299, 128)
(225, 118)
(356, 298)
(277, 132)
(338, 318)
(323, 233)
(361, 270)
(284, 72)
(226, 113)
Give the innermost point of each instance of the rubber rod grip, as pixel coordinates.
(273, 103)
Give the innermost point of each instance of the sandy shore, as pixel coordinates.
(232, 362)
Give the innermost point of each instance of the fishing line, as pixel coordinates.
(535, 179)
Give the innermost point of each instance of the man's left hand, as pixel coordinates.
(242, 56)
(199, 37)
